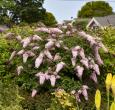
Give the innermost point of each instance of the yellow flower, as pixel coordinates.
(67, 103)
(112, 106)
(108, 81)
(97, 99)
(113, 85)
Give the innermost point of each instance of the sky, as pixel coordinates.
(65, 9)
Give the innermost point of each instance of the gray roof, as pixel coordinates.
(106, 21)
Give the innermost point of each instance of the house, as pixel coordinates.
(65, 22)
(101, 22)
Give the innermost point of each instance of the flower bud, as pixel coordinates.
(97, 99)
(108, 81)
(113, 85)
(112, 106)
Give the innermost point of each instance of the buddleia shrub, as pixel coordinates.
(68, 71)
(48, 59)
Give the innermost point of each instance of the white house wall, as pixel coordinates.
(93, 20)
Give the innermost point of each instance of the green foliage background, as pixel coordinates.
(26, 82)
(94, 9)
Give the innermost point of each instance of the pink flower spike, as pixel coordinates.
(52, 80)
(85, 87)
(85, 62)
(53, 35)
(57, 57)
(85, 94)
(77, 95)
(59, 66)
(36, 38)
(81, 53)
(35, 48)
(79, 71)
(84, 91)
(51, 39)
(49, 45)
(42, 78)
(38, 74)
(47, 76)
(34, 92)
(78, 98)
(57, 44)
(48, 54)
(97, 56)
(26, 41)
(20, 52)
(74, 53)
(12, 55)
(96, 69)
(19, 69)
(68, 33)
(30, 53)
(55, 31)
(42, 29)
(89, 38)
(73, 60)
(39, 60)
(76, 48)
(25, 57)
(94, 77)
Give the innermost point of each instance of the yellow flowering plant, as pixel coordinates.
(108, 81)
(112, 106)
(97, 99)
(110, 84)
(63, 100)
(113, 86)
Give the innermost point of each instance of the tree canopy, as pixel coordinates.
(22, 10)
(95, 8)
(49, 19)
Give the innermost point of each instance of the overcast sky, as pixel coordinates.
(65, 9)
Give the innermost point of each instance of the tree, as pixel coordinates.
(29, 10)
(49, 19)
(23, 10)
(6, 6)
(95, 8)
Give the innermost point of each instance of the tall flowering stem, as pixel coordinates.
(112, 106)
(113, 86)
(98, 99)
(108, 85)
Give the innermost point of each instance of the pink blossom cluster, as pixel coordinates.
(49, 30)
(30, 46)
(96, 45)
(87, 63)
(44, 76)
(82, 91)
(51, 75)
